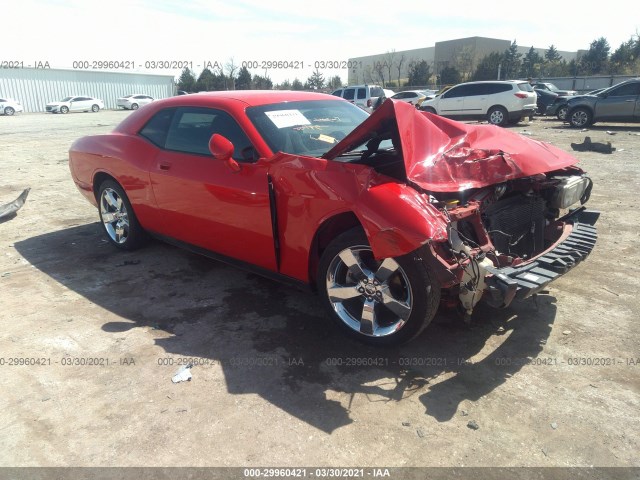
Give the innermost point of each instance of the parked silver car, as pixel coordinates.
(620, 103)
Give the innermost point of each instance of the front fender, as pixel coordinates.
(397, 219)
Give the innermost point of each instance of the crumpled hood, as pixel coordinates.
(443, 155)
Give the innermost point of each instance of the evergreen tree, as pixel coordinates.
(243, 82)
(487, 68)
(552, 55)
(511, 62)
(531, 64)
(297, 85)
(419, 73)
(315, 81)
(450, 76)
(187, 81)
(596, 60)
(205, 81)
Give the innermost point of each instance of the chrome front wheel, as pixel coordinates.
(378, 301)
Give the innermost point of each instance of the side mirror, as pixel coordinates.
(222, 149)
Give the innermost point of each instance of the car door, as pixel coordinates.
(451, 102)
(202, 200)
(79, 104)
(620, 104)
(475, 99)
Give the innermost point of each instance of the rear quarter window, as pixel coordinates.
(157, 127)
(525, 87)
(376, 92)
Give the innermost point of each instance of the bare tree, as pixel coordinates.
(399, 63)
(231, 69)
(378, 69)
(389, 61)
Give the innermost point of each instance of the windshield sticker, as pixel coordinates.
(287, 118)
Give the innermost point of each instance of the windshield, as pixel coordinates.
(309, 128)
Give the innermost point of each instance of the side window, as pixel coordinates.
(628, 89)
(362, 93)
(192, 127)
(493, 88)
(455, 92)
(349, 94)
(476, 89)
(156, 129)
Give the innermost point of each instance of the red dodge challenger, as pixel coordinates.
(386, 215)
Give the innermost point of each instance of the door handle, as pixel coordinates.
(164, 165)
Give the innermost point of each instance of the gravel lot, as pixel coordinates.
(552, 382)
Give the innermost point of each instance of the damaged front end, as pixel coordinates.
(510, 241)
(514, 206)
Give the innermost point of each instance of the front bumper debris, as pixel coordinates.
(509, 283)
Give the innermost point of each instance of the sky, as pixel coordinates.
(140, 32)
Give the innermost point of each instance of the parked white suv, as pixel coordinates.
(362, 95)
(499, 102)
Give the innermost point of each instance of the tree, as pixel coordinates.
(450, 76)
(261, 83)
(378, 70)
(511, 62)
(464, 61)
(596, 60)
(243, 82)
(205, 81)
(334, 82)
(399, 63)
(626, 58)
(419, 73)
(231, 69)
(286, 85)
(187, 81)
(316, 80)
(219, 80)
(531, 64)
(552, 55)
(488, 66)
(389, 62)
(297, 85)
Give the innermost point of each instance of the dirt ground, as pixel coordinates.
(552, 382)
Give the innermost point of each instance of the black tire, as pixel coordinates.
(562, 112)
(95, 108)
(134, 106)
(580, 117)
(118, 218)
(397, 295)
(64, 109)
(9, 111)
(429, 109)
(498, 116)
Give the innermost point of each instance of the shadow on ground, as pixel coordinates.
(274, 341)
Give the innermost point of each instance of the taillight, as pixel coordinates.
(369, 103)
(521, 95)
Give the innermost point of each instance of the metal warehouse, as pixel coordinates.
(35, 87)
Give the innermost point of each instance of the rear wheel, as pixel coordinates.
(95, 108)
(498, 116)
(118, 219)
(562, 112)
(580, 117)
(379, 302)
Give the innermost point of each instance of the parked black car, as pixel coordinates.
(545, 99)
(559, 105)
(550, 87)
(620, 103)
